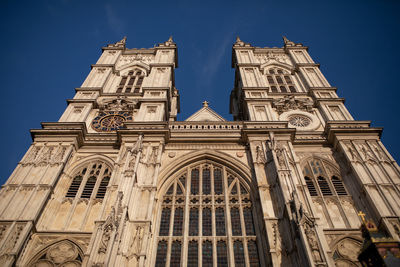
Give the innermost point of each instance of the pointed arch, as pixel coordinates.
(72, 254)
(285, 66)
(166, 175)
(90, 174)
(74, 167)
(208, 198)
(135, 64)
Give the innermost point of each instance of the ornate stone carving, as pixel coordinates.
(290, 102)
(118, 104)
(280, 156)
(63, 253)
(127, 59)
(133, 152)
(59, 156)
(349, 249)
(353, 153)
(136, 242)
(260, 155)
(119, 43)
(313, 244)
(111, 224)
(45, 156)
(12, 241)
(32, 155)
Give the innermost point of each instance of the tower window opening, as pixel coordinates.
(87, 179)
(278, 78)
(134, 79)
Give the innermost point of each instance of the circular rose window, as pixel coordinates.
(299, 121)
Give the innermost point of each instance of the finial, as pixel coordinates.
(170, 40)
(123, 40)
(238, 39)
(285, 40)
(205, 103)
(362, 215)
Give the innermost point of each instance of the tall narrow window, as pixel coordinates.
(253, 253)
(311, 187)
(207, 253)
(324, 186)
(165, 218)
(92, 174)
(194, 222)
(175, 254)
(219, 212)
(161, 254)
(192, 254)
(76, 183)
(279, 78)
(222, 258)
(235, 219)
(339, 187)
(239, 253)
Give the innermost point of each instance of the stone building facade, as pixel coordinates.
(118, 181)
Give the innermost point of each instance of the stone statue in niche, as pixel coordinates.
(280, 156)
(134, 151)
(313, 243)
(136, 245)
(260, 157)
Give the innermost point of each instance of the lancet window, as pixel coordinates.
(280, 81)
(132, 82)
(90, 181)
(207, 219)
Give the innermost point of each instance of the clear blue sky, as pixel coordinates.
(48, 46)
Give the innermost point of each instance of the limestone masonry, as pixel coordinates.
(118, 181)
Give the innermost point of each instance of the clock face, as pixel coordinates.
(110, 121)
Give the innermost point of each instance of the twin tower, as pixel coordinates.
(118, 181)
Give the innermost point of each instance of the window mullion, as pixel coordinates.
(228, 224)
(186, 212)
(244, 229)
(78, 195)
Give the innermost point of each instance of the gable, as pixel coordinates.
(205, 114)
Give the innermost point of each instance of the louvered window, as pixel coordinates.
(91, 181)
(131, 83)
(339, 187)
(280, 81)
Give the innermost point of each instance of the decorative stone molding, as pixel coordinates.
(118, 104)
(301, 120)
(290, 103)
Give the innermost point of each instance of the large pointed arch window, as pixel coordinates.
(206, 219)
(90, 181)
(132, 82)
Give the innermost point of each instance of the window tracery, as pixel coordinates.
(333, 204)
(220, 220)
(132, 82)
(62, 253)
(90, 181)
(280, 81)
(317, 173)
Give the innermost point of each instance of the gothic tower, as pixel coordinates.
(118, 181)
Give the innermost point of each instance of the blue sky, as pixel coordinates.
(48, 46)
